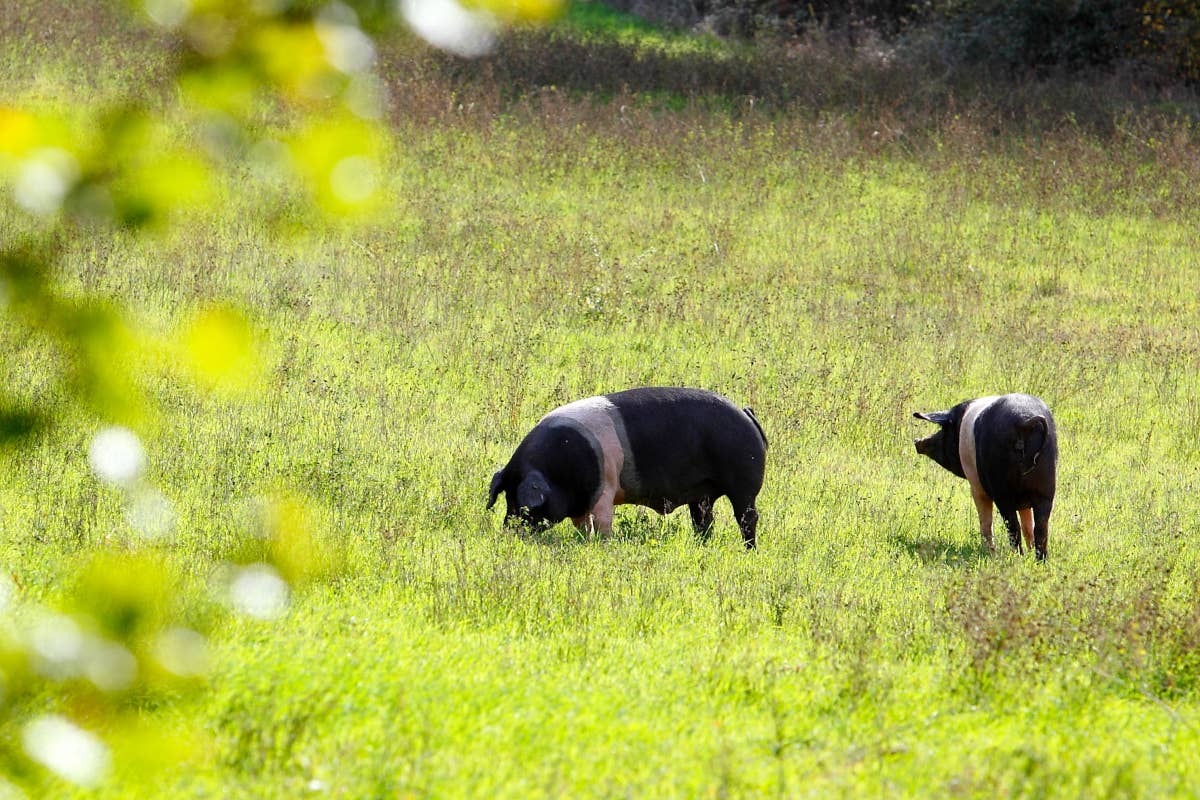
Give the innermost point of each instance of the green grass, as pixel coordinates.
(598, 22)
(833, 279)
(597, 18)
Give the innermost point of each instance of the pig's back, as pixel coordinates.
(686, 442)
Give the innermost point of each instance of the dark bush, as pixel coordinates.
(1017, 37)
(1161, 37)
(1169, 37)
(885, 17)
(1035, 34)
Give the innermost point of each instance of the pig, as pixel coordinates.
(660, 447)
(1007, 448)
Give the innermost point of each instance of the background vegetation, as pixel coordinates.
(809, 230)
(1158, 39)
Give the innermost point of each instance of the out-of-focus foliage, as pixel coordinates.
(113, 640)
(281, 98)
(220, 350)
(284, 531)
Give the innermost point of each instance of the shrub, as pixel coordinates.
(1036, 34)
(1169, 37)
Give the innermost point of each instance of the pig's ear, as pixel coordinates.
(494, 491)
(532, 492)
(936, 417)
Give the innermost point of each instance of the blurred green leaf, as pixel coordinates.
(152, 173)
(18, 425)
(23, 271)
(126, 594)
(286, 532)
(220, 350)
(340, 159)
(18, 131)
(293, 59)
(521, 10)
(104, 357)
(231, 88)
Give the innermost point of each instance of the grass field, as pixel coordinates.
(822, 266)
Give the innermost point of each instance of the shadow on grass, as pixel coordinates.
(548, 536)
(897, 97)
(636, 527)
(940, 551)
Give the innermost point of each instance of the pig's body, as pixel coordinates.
(657, 447)
(1007, 449)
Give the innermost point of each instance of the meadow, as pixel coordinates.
(835, 260)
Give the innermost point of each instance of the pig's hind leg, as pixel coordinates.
(1027, 526)
(1041, 528)
(702, 517)
(747, 518)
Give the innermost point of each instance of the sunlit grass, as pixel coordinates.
(798, 265)
(601, 22)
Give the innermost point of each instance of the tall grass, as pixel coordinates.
(835, 266)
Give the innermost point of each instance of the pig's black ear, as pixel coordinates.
(936, 417)
(497, 481)
(532, 492)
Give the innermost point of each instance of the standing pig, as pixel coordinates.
(657, 447)
(1007, 449)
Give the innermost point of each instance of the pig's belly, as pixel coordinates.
(666, 503)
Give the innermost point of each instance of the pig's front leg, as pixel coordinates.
(600, 518)
(983, 505)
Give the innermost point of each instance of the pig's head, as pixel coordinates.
(531, 498)
(942, 445)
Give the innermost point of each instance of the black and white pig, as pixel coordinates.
(1007, 449)
(657, 447)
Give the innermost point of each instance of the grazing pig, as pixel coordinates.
(1007, 448)
(657, 447)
